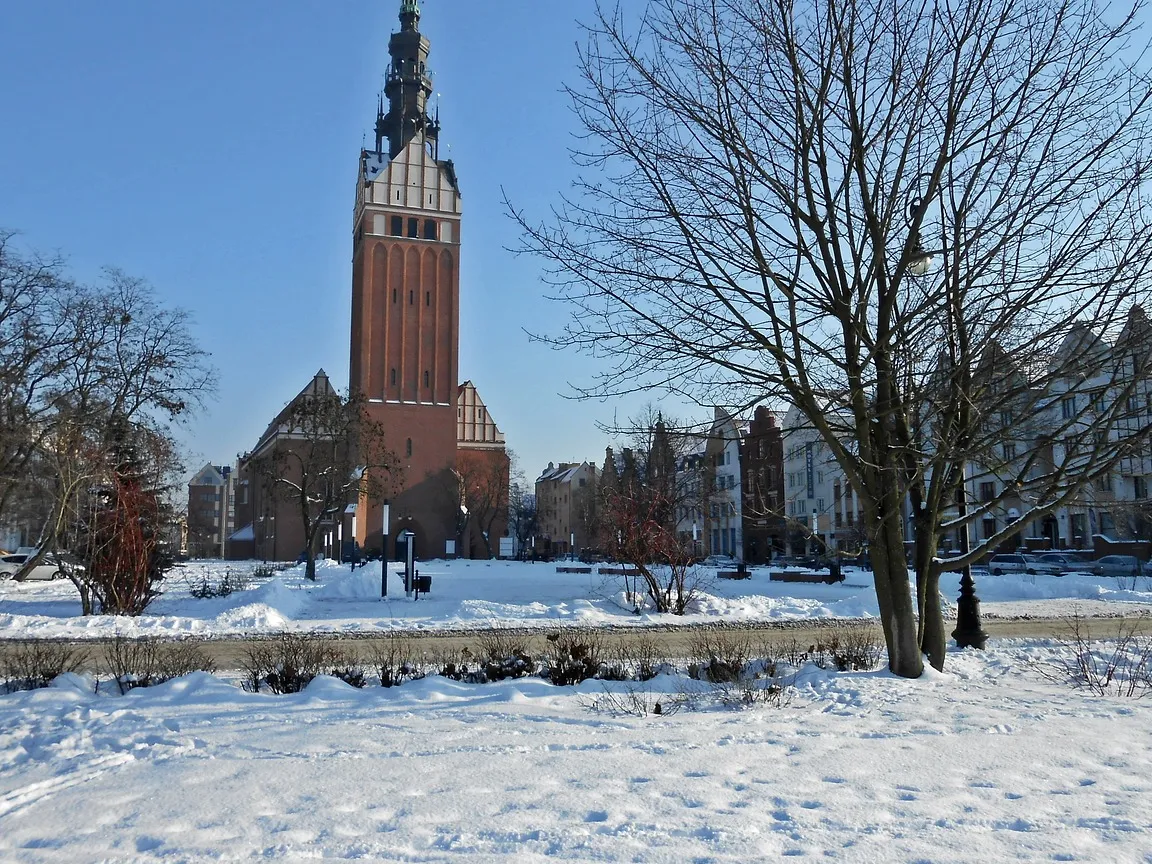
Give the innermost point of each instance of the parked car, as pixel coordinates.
(1019, 563)
(1070, 563)
(47, 569)
(1119, 565)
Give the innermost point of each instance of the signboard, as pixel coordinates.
(808, 448)
(449, 548)
(507, 547)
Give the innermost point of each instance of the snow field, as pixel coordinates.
(988, 762)
(471, 594)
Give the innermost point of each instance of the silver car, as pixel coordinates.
(1067, 562)
(1020, 563)
(1119, 565)
(47, 568)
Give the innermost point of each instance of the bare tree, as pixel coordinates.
(522, 521)
(78, 363)
(765, 183)
(483, 477)
(329, 453)
(642, 536)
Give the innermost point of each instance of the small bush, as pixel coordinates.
(635, 658)
(286, 664)
(133, 663)
(1116, 667)
(267, 571)
(396, 661)
(503, 655)
(225, 585)
(34, 664)
(718, 656)
(459, 666)
(352, 675)
(573, 657)
(849, 649)
(635, 701)
(787, 649)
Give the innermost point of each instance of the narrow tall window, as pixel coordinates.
(427, 298)
(427, 378)
(409, 447)
(392, 377)
(397, 227)
(414, 228)
(429, 229)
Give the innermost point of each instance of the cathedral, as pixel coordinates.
(405, 337)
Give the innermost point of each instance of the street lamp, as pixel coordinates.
(968, 632)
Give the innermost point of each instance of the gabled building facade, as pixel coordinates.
(211, 511)
(562, 493)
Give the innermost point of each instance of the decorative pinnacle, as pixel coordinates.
(410, 7)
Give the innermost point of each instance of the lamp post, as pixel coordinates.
(968, 633)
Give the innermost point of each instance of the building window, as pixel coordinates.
(987, 491)
(414, 228)
(427, 378)
(411, 298)
(429, 229)
(1140, 488)
(394, 295)
(1104, 483)
(1009, 452)
(989, 529)
(427, 298)
(392, 377)
(408, 448)
(397, 226)
(1068, 407)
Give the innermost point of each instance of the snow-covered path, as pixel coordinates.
(987, 763)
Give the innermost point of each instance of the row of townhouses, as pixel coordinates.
(1096, 397)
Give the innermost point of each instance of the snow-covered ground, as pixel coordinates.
(988, 762)
(469, 594)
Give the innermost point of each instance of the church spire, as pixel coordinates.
(410, 15)
(408, 87)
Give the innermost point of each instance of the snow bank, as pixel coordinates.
(986, 762)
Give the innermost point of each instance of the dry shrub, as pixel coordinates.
(459, 665)
(133, 663)
(572, 657)
(718, 656)
(849, 648)
(846, 648)
(396, 660)
(287, 663)
(636, 658)
(1115, 667)
(223, 586)
(33, 664)
(635, 701)
(503, 654)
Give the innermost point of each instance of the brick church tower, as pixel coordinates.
(406, 299)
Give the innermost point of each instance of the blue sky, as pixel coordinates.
(211, 148)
